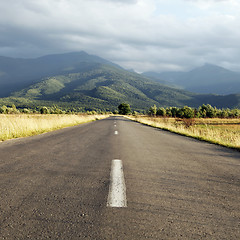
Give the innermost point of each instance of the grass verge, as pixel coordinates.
(24, 125)
(224, 132)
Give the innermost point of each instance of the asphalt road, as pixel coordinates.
(56, 185)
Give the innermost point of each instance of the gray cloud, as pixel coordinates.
(129, 32)
(207, 0)
(122, 1)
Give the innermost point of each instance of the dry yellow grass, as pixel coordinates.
(23, 125)
(224, 132)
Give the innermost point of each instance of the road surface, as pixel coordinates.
(59, 185)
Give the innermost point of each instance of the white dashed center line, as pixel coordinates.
(116, 132)
(117, 190)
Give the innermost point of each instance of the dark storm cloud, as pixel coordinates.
(133, 33)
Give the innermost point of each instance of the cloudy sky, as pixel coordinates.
(145, 35)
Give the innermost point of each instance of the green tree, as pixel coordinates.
(26, 110)
(225, 113)
(174, 111)
(235, 113)
(115, 112)
(44, 110)
(187, 112)
(134, 113)
(3, 109)
(152, 110)
(124, 109)
(207, 111)
(161, 112)
(14, 109)
(168, 112)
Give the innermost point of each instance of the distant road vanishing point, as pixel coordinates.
(118, 179)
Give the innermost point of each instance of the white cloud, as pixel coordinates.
(141, 34)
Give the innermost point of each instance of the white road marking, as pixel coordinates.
(116, 132)
(115, 125)
(117, 190)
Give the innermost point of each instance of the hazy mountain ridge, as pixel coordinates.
(206, 79)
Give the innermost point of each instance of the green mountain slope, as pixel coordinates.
(87, 82)
(105, 86)
(18, 73)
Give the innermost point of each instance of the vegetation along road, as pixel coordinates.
(118, 179)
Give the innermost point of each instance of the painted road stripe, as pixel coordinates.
(117, 190)
(116, 132)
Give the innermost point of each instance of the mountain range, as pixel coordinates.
(205, 79)
(89, 82)
(19, 73)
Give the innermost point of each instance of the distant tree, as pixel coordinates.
(161, 112)
(14, 109)
(186, 112)
(168, 112)
(26, 110)
(44, 110)
(196, 113)
(3, 109)
(124, 109)
(235, 113)
(211, 111)
(115, 112)
(207, 111)
(174, 111)
(134, 113)
(56, 110)
(225, 113)
(152, 110)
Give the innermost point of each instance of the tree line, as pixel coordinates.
(204, 111)
(46, 110)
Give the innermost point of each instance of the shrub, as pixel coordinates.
(188, 122)
(44, 110)
(25, 110)
(3, 109)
